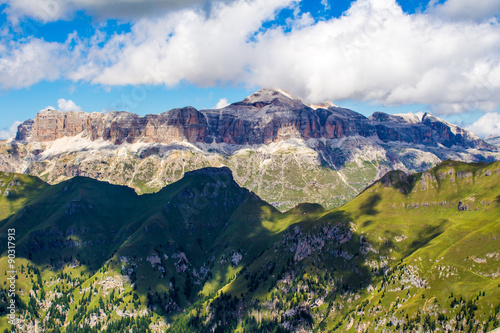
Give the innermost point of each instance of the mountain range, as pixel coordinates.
(416, 252)
(267, 215)
(284, 150)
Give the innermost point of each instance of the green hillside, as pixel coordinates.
(410, 253)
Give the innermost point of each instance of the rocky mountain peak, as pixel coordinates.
(404, 118)
(430, 117)
(268, 95)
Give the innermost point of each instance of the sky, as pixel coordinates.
(149, 56)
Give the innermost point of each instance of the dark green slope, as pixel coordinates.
(83, 213)
(410, 253)
(200, 229)
(183, 242)
(81, 217)
(421, 246)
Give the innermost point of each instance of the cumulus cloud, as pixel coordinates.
(467, 10)
(67, 105)
(374, 52)
(222, 103)
(185, 46)
(27, 62)
(8, 133)
(52, 10)
(489, 124)
(379, 53)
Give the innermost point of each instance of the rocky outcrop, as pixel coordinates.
(450, 135)
(429, 130)
(24, 131)
(265, 117)
(186, 124)
(397, 179)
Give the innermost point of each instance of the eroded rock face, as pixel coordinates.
(429, 130)
(187, 124)
(265, 117)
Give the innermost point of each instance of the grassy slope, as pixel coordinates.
(452, 251)
(21, 190)
(121, 224)
(411, 226)
(440, 238)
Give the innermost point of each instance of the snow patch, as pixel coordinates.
(410, 118)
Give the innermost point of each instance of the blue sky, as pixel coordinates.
(151, 56)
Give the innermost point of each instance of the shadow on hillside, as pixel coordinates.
(498, 199)
(367, 223)
(338, 216)
(4, 225)
(339, 255)
(427, 235)
(168, 228)
(368, 207)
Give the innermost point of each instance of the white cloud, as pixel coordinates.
(48, 107)
(67, 105)
(10, 132)
(467, 10)
(222, 103)
(185, 46)
(374, 52)
(377, 52)
(489, 124)
(27, 62)
(325, 4)
(53, 10)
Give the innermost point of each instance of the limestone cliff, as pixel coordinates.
(264, 117)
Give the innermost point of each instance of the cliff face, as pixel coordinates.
(429, 131)
(117, 127)
(189, 124)
(264, 117)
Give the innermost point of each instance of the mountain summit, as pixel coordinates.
(267, 95)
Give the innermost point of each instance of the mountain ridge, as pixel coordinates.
(277, 146)
(251, 117)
